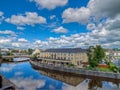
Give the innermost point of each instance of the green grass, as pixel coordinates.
(98, 69)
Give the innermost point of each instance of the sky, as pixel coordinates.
(59, 23)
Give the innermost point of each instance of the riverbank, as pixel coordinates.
(79, 71)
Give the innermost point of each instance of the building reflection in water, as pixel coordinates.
(94, 83)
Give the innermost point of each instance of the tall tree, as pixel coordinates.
(99, 53)
(95, 55)
(0, 55)
(30, 51)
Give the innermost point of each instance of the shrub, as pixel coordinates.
(0, 56)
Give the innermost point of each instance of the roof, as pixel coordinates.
(66, 50)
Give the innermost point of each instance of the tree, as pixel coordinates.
(35, 56)
(99, 53)
(0, 55)
(30, 51)
(95, 55)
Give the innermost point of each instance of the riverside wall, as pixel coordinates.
(80, 71)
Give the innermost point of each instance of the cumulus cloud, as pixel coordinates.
(80, 15)
(23, 40)
(95, 10)
(91, 26)
(53, 16)
(1, 16)
(20, 28)
(30, 18)
(103, 22)
(50, 4)
(60, 30)
(101, 8)
(1, 13)
(7, 32)
(3, 41)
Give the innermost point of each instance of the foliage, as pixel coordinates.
(0, 55)
(34, 56)
(114, 68)
(30, 51)
(9, 53)
(71, 65)
(95, 55)
(104, 69)
(98, 69)
(99, 53)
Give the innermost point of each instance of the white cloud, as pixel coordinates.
(53, 16)
(23, 40)
(5, 41)
(95, 10)
(50, 4)
(1, 13)
(91, 26)
(1, 16)
(7, 32)
(20, 28)
(60, 30)
(30, 18)
(15, 44)
(104, 32)
(80, 15)
(100, 8)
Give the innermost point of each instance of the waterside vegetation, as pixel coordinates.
(96, 56)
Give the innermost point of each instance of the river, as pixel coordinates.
(27, 78)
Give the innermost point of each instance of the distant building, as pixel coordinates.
(63, 56)
(113, 52)
(4, 51)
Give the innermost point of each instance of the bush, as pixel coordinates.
(71, 65)
(114, 68)
(0, 56)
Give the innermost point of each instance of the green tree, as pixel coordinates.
(99, 53)
(30, 51)
(0, 55)
(95, 55)
(34, 56)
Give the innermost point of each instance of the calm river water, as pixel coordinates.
(28, 78)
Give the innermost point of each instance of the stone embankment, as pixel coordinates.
(80, 71)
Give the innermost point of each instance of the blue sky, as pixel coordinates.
(59, 23)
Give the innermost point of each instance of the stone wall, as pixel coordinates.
(77, 70)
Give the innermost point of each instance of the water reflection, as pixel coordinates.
(94, 84)
(28, 78)
(81, 81)
(68, 78)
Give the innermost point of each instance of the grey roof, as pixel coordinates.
(66, 50)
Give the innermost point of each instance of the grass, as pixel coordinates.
(99, 69)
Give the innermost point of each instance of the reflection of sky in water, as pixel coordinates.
(24, 76)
